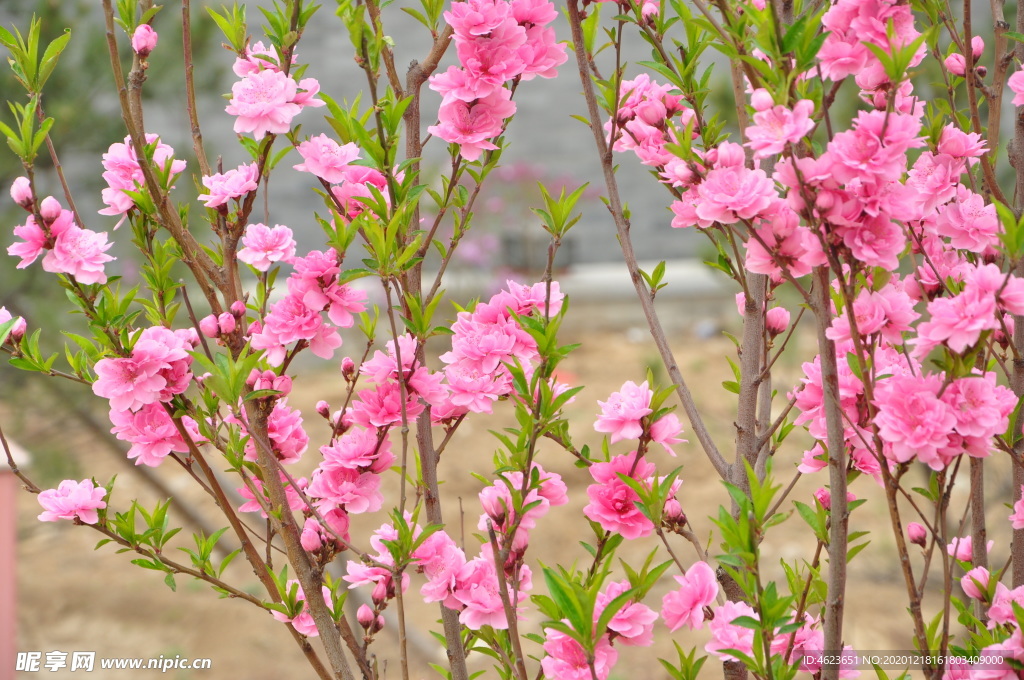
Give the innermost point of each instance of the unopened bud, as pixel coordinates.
(50, 210)
(917, 533)
(144, 40)
(226, 323)
(209, 327)
(324, 409)
(365, 616)
(21, 192)
(238, 309)
(348, 368)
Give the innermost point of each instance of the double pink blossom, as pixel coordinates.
(265, 246)
(325, 158)
(231, 185)
(72, 500)
(698, 588)
(265, 102)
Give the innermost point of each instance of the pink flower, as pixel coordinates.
(698, 588)
(287, 438)
(962, 548)
(303, 622)
(80, 253)
(1016, 83)
(441, 561)
(733, 193)
(622, 413)
(152, 433)
(566, 659)
(325, 158)
(969, 223)
(357, 449)
(122, 172)
(472, 125)
(264, 102)
(613, 502)
(1017, 518)
(958, 321)
(358, 492)
(726, 635)
(233, 184)
(157, 369)
(666, 431)
(289, 321)
(127, 383)
(476, 587)
(144, 40)
(1001, 610)
(265, 246)
(476, 17)
(775, 127)
(975, 583)
(71, 500)
(912, 420)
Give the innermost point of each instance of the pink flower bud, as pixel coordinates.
(761, 99)
(824, 497)
(323, 408)
(977, 46)
(50, 210)
(493, 501)
(673, 512)
(226, 323)
(21, 192)
(238, 309)
(956, 64)
(254, 378)
(282, 384)
(144, 40)
(310, 538)
(378, 625)
(380, 592)
(18, 330)
(741, 303)
(917, 533)
(975, 583)
(208, 325)
(348, 368)
(365, 616)
(777, 320)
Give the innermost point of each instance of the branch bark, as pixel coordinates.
(840, 516)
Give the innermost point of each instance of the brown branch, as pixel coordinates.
(835, 596)
(622, 228)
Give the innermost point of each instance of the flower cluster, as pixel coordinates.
(313, 288)
(123, 174)
(79, 253)
(497, 41)
(158, 367)
(266, 99)
(644, 123)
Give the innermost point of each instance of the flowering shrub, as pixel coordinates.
(890, 228)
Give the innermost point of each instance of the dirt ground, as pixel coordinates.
(74, 599)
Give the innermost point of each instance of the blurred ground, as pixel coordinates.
(74, 599)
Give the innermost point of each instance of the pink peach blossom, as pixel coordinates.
(72, 500)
